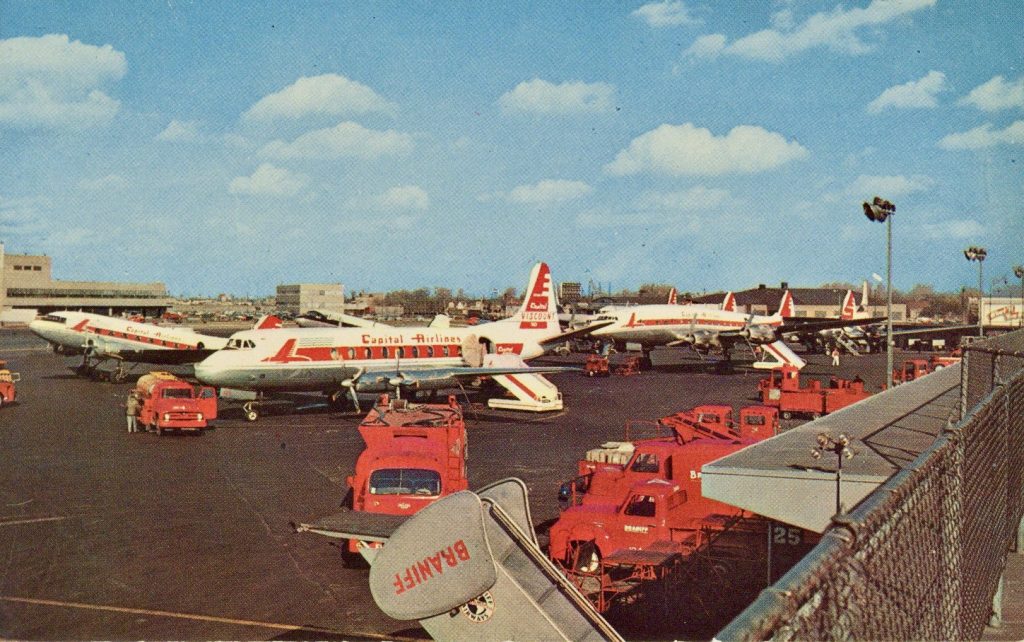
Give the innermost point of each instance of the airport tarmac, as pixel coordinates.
(109, 535)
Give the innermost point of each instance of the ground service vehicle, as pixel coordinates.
(170, 403)
(916, 368)
(636, 517)
(7, 381)
(782, 390)
(631, 366)
(596, 366)
(414, 455)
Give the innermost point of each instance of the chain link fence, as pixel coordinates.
(920, 558)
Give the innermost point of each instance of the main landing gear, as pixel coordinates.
(251, 410)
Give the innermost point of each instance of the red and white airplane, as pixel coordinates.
(383, 358)
(99, 338)
(704, 328)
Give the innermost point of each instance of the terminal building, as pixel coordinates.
(27, 288)
(300, 298)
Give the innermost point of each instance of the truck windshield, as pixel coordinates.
(177, 393)
(405, 481)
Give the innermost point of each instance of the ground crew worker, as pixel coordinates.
(131, 411)
(835, 356)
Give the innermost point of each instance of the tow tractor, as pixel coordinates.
(170, 403)
(415, 454)
(782, 390)
(7, 381)
(596, 366)
(636, 521)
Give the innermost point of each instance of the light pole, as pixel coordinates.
(975, 253)
(1018, 271)
(882, 211)
(840, 448)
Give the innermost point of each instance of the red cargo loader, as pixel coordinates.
(782, 390)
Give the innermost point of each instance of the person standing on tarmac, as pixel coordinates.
(835, 356)
(131, 411)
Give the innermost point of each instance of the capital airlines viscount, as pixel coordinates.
(380, 358)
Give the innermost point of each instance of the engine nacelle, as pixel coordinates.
(705, 339)
(761, 333)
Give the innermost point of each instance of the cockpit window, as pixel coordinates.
(240, 344)
(55, 318)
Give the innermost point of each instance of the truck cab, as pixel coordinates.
(8, 394)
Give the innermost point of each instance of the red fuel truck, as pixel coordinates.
(170, 403)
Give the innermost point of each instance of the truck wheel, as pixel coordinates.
(815, 415)
(787, 415)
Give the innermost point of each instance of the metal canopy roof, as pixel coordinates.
(779, 478)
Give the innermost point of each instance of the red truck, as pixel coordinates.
(170, 403)
(637, 513)
(7, 381)
(782, 390)
(916, 368)
(414, 455)
(596, 366)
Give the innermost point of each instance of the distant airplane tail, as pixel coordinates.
(267, 322)
(539, 310)
(672, 297)
(786, 305)
(849, 306)
(729, 302)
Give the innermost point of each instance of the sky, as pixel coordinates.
(230, 147)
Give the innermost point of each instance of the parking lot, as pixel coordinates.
(107, 535)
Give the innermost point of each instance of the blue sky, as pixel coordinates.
(223, 147)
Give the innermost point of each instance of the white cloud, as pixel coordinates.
(549, 191)
(108, 183)
(835, 30)
(707, 46)
(695, 198)
(865, 187)
(345, 139)
(180, 131)
(51, 82)
(997, 94)
(963, 229)
(665, 14)
(687, 150)
(324, 95)
(542, 97)
(985, 136)
(269, 180)
(404, 197)
(914, 94)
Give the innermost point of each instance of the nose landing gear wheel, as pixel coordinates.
(250, 412)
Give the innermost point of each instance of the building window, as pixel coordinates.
(37, 268)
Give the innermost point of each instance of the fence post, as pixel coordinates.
(952, 602)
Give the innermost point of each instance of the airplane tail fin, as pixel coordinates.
(539, 310)
(267, 322)
(786, 305)
(672, 296)
(729, 302)
(849, 306)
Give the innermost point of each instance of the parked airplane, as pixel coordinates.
(332, 319)
(707, 329)
(382, 358)
(99, 338)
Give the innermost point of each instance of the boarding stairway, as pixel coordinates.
(778, 354)
(469, 567)
(847, 344)
(532, 392)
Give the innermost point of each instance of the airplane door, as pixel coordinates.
(472, 351)
(208, 402)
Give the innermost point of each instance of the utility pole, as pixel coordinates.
(975, 253)
(882, 211)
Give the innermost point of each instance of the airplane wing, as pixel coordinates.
(796, 324)
(160, 357)
(417, 376)
(945, 328)
(573, 334)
